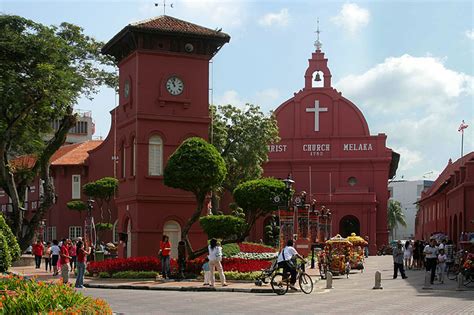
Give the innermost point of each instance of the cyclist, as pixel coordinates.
(286, 261)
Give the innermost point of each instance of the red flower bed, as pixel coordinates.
(244, 265)
(255, 248)
(128, 264)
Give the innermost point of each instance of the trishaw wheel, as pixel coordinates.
(279, 283)
(306, 283)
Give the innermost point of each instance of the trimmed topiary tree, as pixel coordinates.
(12, 242)
(197, 167)
(222, 226)
(5, 257)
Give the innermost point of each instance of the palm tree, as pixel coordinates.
(395, 216)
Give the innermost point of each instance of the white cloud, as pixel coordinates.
(470, 34)
(266, 99)
(407, 82)
(230, 97)
(281, 18)
(208, 13)
(352, 18)
(419, 103)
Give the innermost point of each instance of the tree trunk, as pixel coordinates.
(200, 198)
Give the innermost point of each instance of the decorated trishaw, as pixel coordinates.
(337, 252)
(357, 257)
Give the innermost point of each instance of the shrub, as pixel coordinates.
(12, 242)
(104, 274)
(255, 248)
(229, 250)
(31, 297)
(135, 275)
(5, 258)
(77, 205)
(235, 275)
(128, 264)
(103, 226)
(222, 226)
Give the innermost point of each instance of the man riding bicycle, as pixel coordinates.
(286, 259)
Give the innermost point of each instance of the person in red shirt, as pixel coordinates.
(72, 252)
(38, 249)
(64, 259)
(81, 263)
(165, 250)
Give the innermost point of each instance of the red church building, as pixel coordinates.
(163, 99)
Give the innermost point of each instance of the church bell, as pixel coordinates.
(318, 77)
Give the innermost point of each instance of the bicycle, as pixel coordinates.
(280, 281)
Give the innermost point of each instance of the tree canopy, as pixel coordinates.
(197, 167)
(102, 190)
(242, 138)
(45, 70)
(395, 215)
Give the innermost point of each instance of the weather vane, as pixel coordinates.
(318, 43)
(164, 5)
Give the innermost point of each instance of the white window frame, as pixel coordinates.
(155, 156)
(115, 235)
(76, 187)
(50, 233)
(75, 232)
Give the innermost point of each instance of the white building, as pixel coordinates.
(82, 131)
(407, 193)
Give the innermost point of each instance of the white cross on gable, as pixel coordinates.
(316, 109)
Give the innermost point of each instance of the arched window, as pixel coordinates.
(155, 156)
(173, 230)
(115, 233)
(134, 156)
(123, 159)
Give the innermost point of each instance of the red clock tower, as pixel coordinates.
(163, 99)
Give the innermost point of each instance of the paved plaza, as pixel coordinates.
(349, 296)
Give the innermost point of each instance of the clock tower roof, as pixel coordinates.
(163, 27)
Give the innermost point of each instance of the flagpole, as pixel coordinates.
(462, 142)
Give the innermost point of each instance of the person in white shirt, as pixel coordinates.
(431, 256)
(408, 254)
(441, 265)
(285, 261)
(215, 258)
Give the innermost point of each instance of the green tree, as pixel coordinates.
(45, 70)
(197, 167)
(256, 197)
(222, 226)
(102, 190)
(242, 138)
(5, 257)
(13, 247)
(395, 216)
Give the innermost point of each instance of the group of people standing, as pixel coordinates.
(66, 256)
(418, 254)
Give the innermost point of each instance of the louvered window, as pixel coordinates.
(76, 186)
(155, 156)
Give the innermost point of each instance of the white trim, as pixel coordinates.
(76, 186)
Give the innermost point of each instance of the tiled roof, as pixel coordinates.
(165, 23)
(74, 154)
(70, 154)
(446, 173)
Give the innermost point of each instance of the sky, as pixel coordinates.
(408, 65)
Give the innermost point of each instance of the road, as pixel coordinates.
(349, 296)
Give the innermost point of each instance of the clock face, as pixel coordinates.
(126, 89)
(174, 86)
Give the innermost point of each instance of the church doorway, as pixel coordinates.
(349, 224)
(173, 230)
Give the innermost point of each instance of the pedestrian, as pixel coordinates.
(366, 248)
(64, 259)
(47, 256)
(441, 265)
(165, 250)
(181, 258)
(207, 271)
(398, 261)
(431, 258)
(55, 250)
(72, 252)
(38, 250)
(408, 254)
(215, 258)
(82, 253)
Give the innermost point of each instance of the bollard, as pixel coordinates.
(378, 281)
(460, 281)
(328, 280)
(427, 285)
